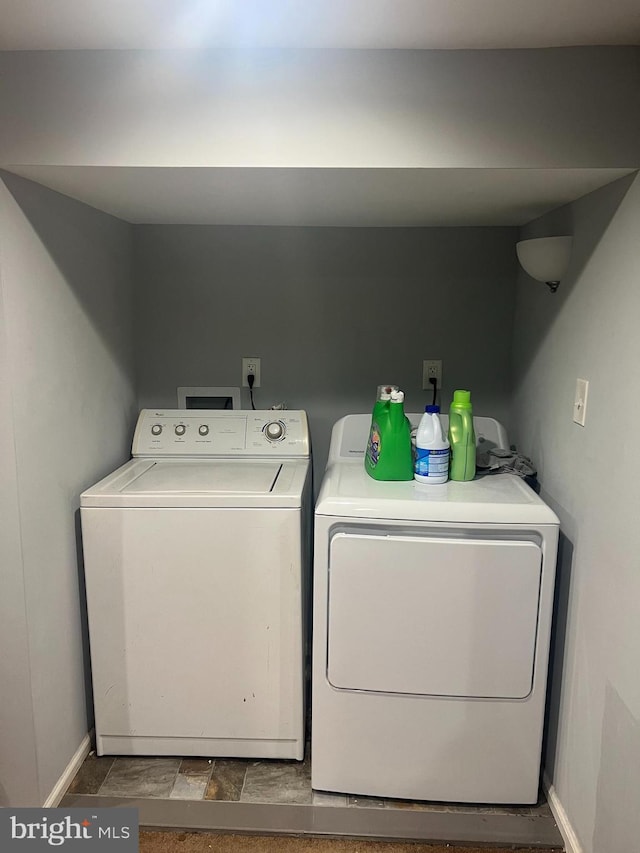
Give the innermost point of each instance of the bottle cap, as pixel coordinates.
(384, 391)
(432, 410)
(397, 396)
(462, 398)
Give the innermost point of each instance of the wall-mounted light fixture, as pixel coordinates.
(545, 259)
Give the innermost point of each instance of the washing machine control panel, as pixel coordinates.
(209, 432)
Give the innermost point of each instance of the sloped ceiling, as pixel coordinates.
(400, 24)
(319, 196)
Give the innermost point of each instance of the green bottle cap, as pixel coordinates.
(462, 398)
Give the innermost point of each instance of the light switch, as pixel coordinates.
(580, 401)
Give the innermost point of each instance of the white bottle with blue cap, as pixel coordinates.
(432, 449)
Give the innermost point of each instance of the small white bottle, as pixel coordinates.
(432, 449)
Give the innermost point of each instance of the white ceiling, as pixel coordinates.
(446, 24)
(359, 197)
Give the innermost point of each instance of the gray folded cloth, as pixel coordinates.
(499, 461)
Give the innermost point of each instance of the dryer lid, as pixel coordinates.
(348, 491)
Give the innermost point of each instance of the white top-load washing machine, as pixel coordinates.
(197, 569)
(432, 614)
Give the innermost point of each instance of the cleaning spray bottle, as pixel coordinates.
(462, 437)
(389, 455)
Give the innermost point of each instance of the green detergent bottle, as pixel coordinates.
(462, 437)
(389, 455)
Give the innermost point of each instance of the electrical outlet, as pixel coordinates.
(251, 367)
(580, 401)
(431, 369)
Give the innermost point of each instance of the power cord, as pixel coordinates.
(250, 380)
(434, 382)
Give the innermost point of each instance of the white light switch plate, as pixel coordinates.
(580, 401)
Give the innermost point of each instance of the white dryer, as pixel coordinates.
(432, 614)
(197, 570)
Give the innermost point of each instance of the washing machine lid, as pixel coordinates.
(201, 483)
(348, 491)
(188, 476)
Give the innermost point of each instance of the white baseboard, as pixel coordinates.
(571, 843)
(70, 771)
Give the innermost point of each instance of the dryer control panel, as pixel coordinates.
(212, 432)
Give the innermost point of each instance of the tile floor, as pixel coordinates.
(244, 781)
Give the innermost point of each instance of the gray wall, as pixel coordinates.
(67, 406)
(18, 767)
(590, 476)
(332, 313)
(565, 107)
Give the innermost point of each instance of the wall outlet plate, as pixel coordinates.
(580, 401)
(251, 366)
(431, 369)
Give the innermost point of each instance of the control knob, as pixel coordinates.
(274, 430)
(156, 429)
(181, 429)
(203, 429)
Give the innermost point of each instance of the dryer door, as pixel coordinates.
(433, 616)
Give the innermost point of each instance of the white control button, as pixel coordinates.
(274, 431)
(181, 429)
(203, 429)
(156, 429)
